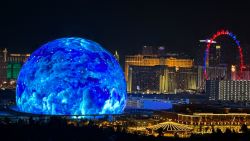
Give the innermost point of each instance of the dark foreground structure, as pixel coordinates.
(59, 129)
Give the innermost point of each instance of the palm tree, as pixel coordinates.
(160, 132)
(244, 128)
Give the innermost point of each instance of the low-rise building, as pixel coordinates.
(228, 90)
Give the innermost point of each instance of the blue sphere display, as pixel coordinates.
(71, 76)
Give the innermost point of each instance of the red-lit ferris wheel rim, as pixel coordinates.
(217, 34)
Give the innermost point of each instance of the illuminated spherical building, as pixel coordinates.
(71, 76)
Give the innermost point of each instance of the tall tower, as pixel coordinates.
(117, 56)
(233, 72)
(5, 55)
(200, 52)
(218, 54)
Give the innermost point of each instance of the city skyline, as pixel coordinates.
(125, 70)
(121, 25)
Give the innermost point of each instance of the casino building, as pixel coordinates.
(155, 71)
(10, 65)
(228, 90)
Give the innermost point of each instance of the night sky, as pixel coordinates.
(121, 25)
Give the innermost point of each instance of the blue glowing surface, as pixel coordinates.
(71, 76)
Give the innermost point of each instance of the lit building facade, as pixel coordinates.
(14, 64)
(228, 90)
(212, 89)
(3, 68)
(217, 73)
(215, 55)
(176, 80)
(207, 122)
(10, 65)
(145, 78)
(181, 79)
(151, 61)
(245, 73)
(161, 79)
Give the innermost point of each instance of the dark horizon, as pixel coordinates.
(123, 25)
